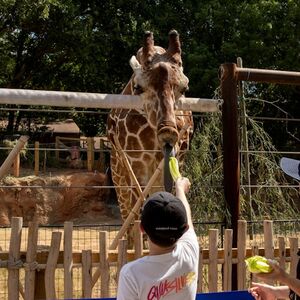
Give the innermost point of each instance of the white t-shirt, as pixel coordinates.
(167, 276)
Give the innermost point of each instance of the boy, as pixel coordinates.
(170, 271)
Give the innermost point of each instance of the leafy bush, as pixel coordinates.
(270, 197)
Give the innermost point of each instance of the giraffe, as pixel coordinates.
(159, 79)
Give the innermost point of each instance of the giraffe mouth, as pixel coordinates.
(167, 135)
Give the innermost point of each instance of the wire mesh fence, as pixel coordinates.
(86, 237)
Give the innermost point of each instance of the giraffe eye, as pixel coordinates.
(138, 89)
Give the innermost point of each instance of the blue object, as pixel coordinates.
(234, 295)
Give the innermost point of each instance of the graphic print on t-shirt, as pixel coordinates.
(174, 286)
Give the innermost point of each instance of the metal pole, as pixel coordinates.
(96, 100)
(244, 144)
(270, 76)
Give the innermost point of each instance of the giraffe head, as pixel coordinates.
(159, 79)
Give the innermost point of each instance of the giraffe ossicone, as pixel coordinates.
(135, 65)
(159, 80)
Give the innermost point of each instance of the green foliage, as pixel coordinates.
(86, 45)
(268, 198)
(204, 165)
(91, 124)
(273, 101)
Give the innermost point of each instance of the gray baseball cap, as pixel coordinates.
(290, 167)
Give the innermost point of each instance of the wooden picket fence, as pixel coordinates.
(38, 267)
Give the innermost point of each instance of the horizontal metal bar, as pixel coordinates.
(273, 119)
(57, 187)
(270, 186)
(271, 76)
(268, 152)
(95, 100)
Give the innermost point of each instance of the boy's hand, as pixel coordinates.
(183, 183)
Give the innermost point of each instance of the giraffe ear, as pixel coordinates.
(135, 65)
(174, 43)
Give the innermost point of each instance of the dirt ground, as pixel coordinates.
(58, 196)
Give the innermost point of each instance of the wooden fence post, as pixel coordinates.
(36, 158)
(122, 255)
(104, 264)
(138, 240)
(51, 266)
(14, 258)
(57, 147)
(86, 273)
(294, 256)
(31, 263)
(16, 165)
(268, 238)
(282, 252)
(255, 251)
(68, 260)
(213, 260)
(200, 272)
(90, 153)
(227, 268)
(241, 254)
(101, 157)
(231, 156)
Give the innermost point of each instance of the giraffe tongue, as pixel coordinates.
(168, 180)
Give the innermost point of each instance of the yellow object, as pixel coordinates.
(174, 168)
(258, 264)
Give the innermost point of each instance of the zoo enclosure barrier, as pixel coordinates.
(30, 270)
(88, 100)
(231, 75)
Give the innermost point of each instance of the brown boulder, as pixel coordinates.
(56, 199)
